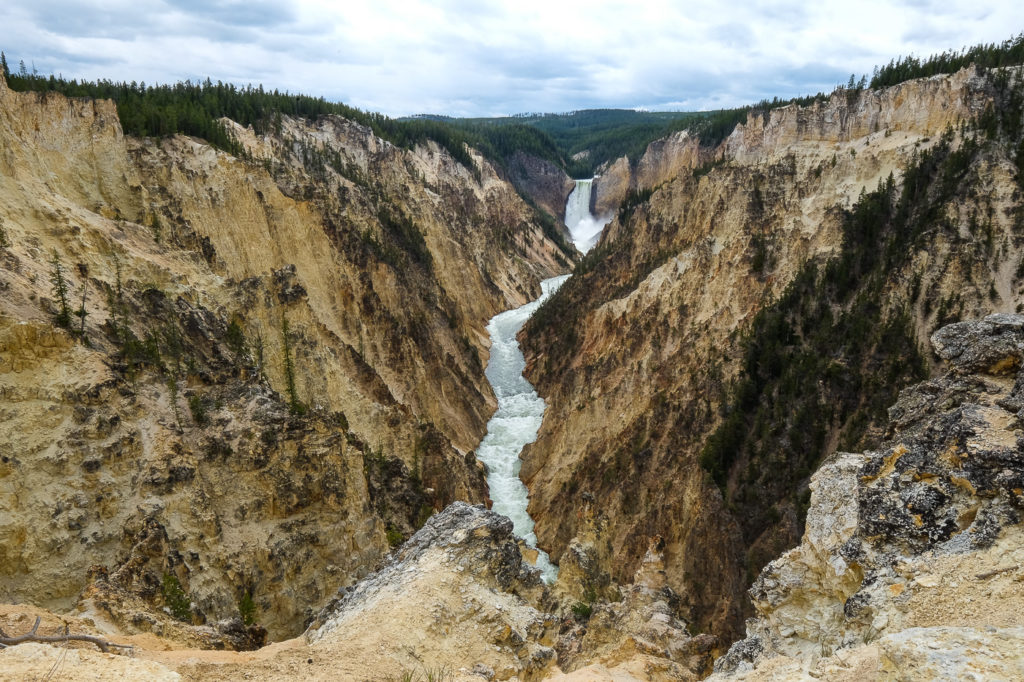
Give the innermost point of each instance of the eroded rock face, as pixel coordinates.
(458, 593)
(897, 538)
(636, 363)
(467, 598)
(639, 622)
(383, 264)
(544, 182)
(610, 187)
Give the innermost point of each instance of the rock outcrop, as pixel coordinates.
(458, 601)
(464, 593)
(544, 182)
(638, 627)
(847, 116)
(663, 160)
(913, 549)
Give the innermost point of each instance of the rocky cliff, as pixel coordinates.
(456, 602)
(644, 354)
(910, 564)
(255, 374)
(909, 569)
(908, 110)
(547, 184)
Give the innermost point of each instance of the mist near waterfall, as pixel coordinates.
(584, 227)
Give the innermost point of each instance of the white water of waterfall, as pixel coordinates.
(516, 422)
(584, 227)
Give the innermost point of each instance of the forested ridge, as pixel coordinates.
(589, 137)
(196, 109)
(985, 56)
(578, 142)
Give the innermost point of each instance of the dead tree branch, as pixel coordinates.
(32, 636)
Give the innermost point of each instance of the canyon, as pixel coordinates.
(263, 427)
(637, 353)
(161, 436)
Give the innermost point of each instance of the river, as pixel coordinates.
(520, 411)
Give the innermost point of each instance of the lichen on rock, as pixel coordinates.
(894, 534)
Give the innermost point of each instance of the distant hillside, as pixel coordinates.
(600, 134)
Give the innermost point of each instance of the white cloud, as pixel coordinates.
(466, 57)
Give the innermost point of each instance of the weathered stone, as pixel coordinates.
(994, 345)
(946, 484)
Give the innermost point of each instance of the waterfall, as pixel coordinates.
(583, 226)
(516, 422)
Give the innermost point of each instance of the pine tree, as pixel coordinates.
(294, 404)
(4, 67)
(60, 292)
(82, 313)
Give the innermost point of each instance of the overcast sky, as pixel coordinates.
(481, 58)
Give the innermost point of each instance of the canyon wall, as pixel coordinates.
(640, 351)
(277, 371)
(544, 182)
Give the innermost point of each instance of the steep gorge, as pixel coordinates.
(278, 378)
(640, 354)
(279, 372)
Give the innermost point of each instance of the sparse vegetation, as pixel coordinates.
(234, 337)
(634, 198)
(295, 405)
(176, 601)
(582, 611)
(156, 227)
(427, 674)
(197, 406)
(830, 355)
(82, 313)
(394, 536)
(247, 608)
(172, 388)
(62, 317)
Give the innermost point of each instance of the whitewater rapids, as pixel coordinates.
(519, 415)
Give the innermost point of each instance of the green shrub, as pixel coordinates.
(247, 609)
(235, 339)
(175, 598)
(197, 406)
(582, 610)
(395, 537)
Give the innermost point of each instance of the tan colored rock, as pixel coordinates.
(610, 187)
(632, 390)
(387, 339)
(36, 661)
(666, 158)
(953, 654)
(936, 591)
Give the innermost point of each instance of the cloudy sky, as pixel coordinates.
(477, 57)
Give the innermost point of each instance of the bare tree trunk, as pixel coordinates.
(31, 636)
